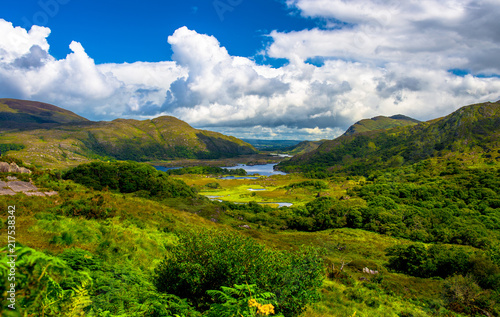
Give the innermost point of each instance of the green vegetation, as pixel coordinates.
(303, 147)
(208, 260)
(449, 204)
(55, 137)
(406, 236)
(313, 184)
(129, 177)
(470, 133)
(380, 123)
(242, 300)
(10, 147)
(23, 114)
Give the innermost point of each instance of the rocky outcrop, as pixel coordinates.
(13, 168)
(13, 186)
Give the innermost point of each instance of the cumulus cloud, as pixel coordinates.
(372, 58)
(98, 92)
(435, 34)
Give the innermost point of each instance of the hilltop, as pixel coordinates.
(380, 123)
(24, 114)
(471, 133)
(49, 135)
(365, 125)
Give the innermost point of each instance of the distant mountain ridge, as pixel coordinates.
(471, 130)
(52, 135)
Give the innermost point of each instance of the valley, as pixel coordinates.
(395, 220)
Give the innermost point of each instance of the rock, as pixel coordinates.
(34, 194)
(244, 226)
(19, 186)
(28, 188)
(13, 168)
(368, 271)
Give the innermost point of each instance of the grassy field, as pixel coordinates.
(265, 189)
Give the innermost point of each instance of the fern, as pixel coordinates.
(241, 301)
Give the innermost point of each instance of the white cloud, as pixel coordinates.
(431, 33)
(16, 41)
(378, 58)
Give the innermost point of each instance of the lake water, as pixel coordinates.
(164, 169)
(264, 170)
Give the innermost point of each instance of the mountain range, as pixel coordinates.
(47, 134)
(470, 133)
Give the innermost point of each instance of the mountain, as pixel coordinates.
(304, 147)
(471, 133)
(380, 123)
(272, 145)
(24, 114)
(56, 136)
(365, 125)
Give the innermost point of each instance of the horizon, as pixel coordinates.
(287, 70)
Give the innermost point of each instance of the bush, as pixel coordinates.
(129, 177)
(461, 293)
(442, 261)
(242, 300)
(313, 184)
(210, 259)
(90, 208)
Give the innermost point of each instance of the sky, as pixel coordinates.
(269, 69)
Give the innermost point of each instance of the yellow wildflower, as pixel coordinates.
(253, 303)
(266, 309)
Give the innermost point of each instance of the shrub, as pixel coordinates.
(129, 177)
(210, 259)
(242, 300)
(90, 208)
(461, 293)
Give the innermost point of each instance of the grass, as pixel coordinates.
(142, 231)
(238, 190)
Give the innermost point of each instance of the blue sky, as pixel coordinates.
(290, 69)
(134, 31)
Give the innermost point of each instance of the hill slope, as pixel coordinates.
(73, 142)
(380, 123)
(24, 114)
(365, 125)
(304, 147)
(471, 132)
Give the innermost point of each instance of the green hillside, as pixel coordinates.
(68, 139)
(471, 133)
(380, 123)
(377, 123)
(24, 114)
(304, 147)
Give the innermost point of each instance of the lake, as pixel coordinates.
(264, 170)
(164, 169)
